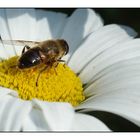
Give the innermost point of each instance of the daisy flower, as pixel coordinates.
(102, 72)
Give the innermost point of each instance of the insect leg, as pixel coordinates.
(25, 47)
(14, 66)
(40, 74)
(60, 60)
(55, 65)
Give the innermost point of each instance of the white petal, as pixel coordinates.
(29, 124)
(58, 115)
(61, 116)
(5, 34)
(49, 24)
(35, 121)
(129, 30)
(17, 24)
(84, 122)
(81, 23)
(121, 102)
(127, 68)
(5, 91)
(97, 43)
(21, 23)
(12, 113)
(118, 91)
(120, 52)
(3, 53)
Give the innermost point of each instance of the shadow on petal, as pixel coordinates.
(115, 122)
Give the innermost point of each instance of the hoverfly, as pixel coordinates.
(47, 52)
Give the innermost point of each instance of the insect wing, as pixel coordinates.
(19, 42)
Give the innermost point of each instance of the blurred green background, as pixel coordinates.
(125, 16)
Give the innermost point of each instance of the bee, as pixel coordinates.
(48, 52)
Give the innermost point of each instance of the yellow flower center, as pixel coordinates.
(57, 84)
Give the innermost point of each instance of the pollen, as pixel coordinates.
(56, 84)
